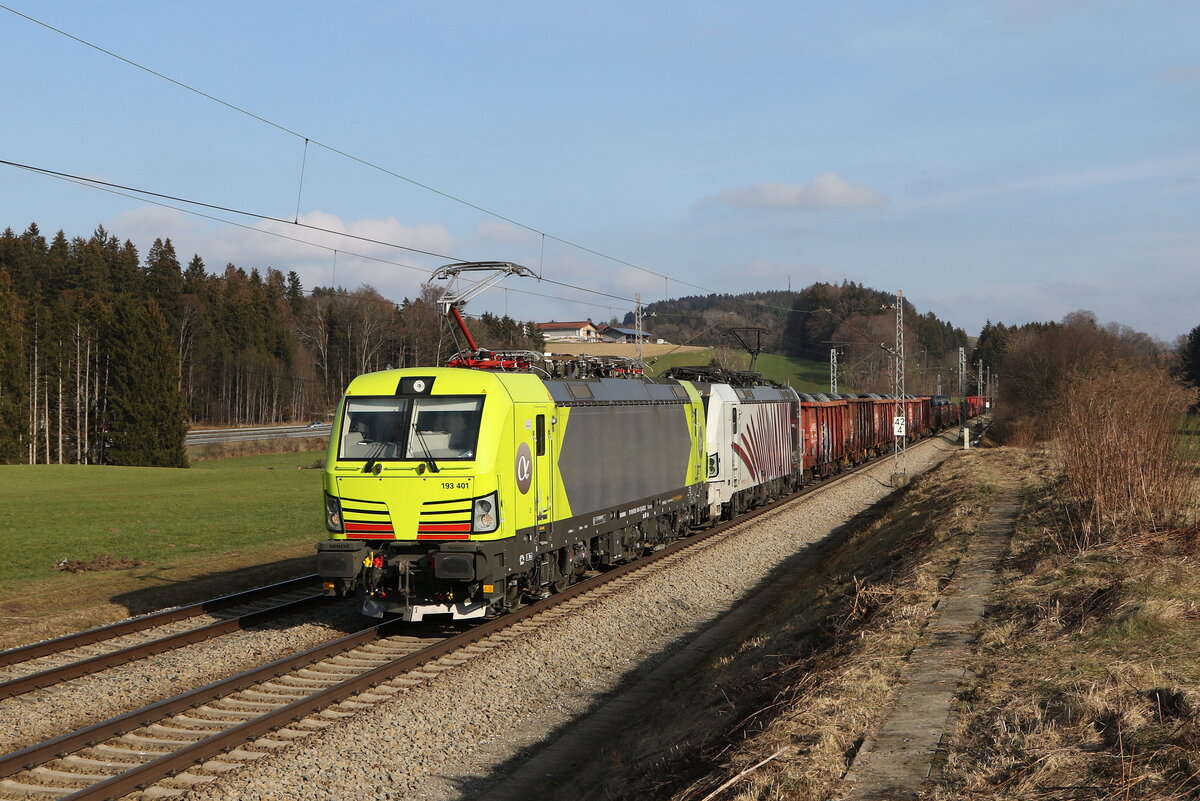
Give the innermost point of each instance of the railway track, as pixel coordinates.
(189, 739)
(46, 663)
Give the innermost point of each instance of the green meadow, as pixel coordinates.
(144, 529)
(803, 375)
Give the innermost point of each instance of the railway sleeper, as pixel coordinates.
(291, 733)
(245, 754)
(189, 779)
(94, 764)
(358, 660)
(235, 715)
(302, 682)
(252, 706)
(35, 790)
(200, 722)
(330, 672)
(70, 778)
(281, 690)
(130, 756)
(180, 734)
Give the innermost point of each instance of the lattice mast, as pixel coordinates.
(899, 476)
(962, 385)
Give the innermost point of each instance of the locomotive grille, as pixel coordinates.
(445, 520)
(367, 519)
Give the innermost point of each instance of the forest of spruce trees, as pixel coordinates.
(106, 357)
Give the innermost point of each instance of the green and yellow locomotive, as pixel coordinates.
(458, 491)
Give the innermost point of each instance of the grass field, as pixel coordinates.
(660, 364)
(144, 530)
(802, 375)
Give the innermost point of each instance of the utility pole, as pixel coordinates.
(899, 476)
(833, 370)
(979, 376)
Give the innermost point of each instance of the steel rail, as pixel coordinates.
(72, 741)
(83, 667)
(69, 641)
(142, 776)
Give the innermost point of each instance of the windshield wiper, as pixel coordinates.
(379, 446)
(433, 468)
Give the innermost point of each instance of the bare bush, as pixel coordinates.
(1124, 465)
(1039, 363)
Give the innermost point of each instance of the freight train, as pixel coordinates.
(459, 492)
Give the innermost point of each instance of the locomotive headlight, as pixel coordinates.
(485, 517)
(333, 513)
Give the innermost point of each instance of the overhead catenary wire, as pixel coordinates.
(375, 166)
(338, 151)
(156, 198)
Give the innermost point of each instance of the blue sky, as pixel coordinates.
(1008, 160)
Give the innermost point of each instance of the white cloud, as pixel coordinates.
(387, 238)
(827, 191)
(309, 252)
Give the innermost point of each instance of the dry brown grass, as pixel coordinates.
(257, 447)
(806, 685)
(1126, 469)
(1088, 673)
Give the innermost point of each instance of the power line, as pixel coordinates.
(366, 163)
(227, 209)
(145, 195)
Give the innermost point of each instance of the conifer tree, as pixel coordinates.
(1189, 357)
(12, 373)
(145, 421)
(164, 280)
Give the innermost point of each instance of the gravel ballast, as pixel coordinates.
(33, 717)
(433, 739)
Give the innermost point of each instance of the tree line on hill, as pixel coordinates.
(807, 324)
(1040, 361)
(105, 356)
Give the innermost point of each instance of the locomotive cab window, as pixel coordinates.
(417, 429)
(373, 428)
(445, 428)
